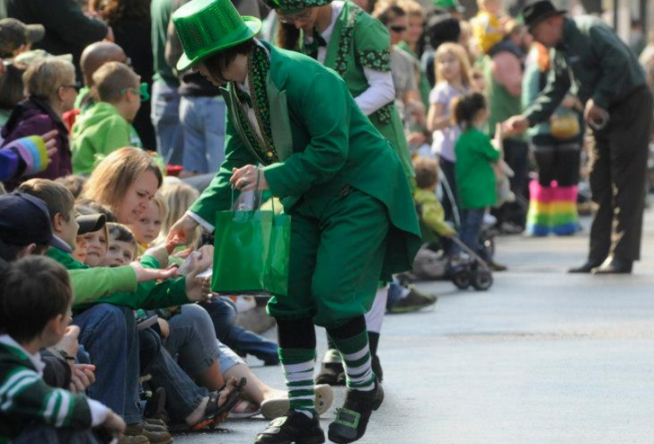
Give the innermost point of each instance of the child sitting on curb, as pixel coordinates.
(35, 304)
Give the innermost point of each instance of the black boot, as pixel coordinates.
(295, 428)
(373, 341)
(587, 267)
(331, 369)
(615, 266)
(352, 419)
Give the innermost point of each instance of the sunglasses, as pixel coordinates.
(76, 86)
(397, 29)
(142, 91)
(291, 19)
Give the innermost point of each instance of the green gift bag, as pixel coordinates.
(251, 253)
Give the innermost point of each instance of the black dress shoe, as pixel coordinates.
(295, 428)
(615, 266)
(352, 419)
(586, 268)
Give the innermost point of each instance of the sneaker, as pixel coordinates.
(413, 301)
(352, 420)
(294, 427)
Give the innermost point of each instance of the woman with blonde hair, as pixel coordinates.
(452, 72)
(51, 89)
(125, 181)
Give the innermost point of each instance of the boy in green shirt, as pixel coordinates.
(35, 302)
(105, 127)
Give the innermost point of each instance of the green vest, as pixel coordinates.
(359, 41)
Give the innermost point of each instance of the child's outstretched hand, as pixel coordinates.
(151, 274)
(160, 253)
(198, 289)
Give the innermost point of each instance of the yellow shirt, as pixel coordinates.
(432, 214)
(486, 30)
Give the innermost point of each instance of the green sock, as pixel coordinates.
(298, 364)
(357, 361)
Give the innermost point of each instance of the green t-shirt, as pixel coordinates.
(475, 177)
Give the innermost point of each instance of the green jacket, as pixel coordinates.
(593, 56)
(475, 177)
(360, 41)
(27, 400)
(148, 295)
(91, 284)
(321, 149)
(432, 214)
(98, 132)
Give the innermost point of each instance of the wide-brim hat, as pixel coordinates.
(14, 34)
(206, 27)
(293, 6)
(535, 13)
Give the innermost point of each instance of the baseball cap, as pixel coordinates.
(89, 223)
(14, 34)
(24, 220)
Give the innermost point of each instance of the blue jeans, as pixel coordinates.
(242, 341)
(108, 333)
(44, 434)
(471, 222)
(182, 394)
(203, 120)
(165, 119)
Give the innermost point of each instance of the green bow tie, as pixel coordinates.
(318, 41)
(243, 97)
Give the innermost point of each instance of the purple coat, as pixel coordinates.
(34, 117)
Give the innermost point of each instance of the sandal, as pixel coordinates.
(214, 414)
(244, 409)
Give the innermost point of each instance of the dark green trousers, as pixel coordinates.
(618, 170)
(336, 260)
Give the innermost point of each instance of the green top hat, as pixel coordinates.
(205, 27)
(293, 6)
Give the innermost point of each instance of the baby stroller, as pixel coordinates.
(464, 272)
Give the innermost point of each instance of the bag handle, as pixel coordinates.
(256, 191)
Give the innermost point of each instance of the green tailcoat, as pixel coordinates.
(360, 41)
(324, 143)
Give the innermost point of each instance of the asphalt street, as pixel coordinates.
(544, 357)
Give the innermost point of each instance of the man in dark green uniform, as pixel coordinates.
(352, 226)
(619, 112)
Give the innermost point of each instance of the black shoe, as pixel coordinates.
(331, 373)
(413, 301)
(615, 266)
(352, 419)
(494, 266)
(586, 268)
(295, 428)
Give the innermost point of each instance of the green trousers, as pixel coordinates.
(336, 260)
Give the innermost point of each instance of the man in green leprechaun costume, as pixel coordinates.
(294, 128)
(342, 36)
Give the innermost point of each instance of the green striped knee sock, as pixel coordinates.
(357, 361)
(298, 364)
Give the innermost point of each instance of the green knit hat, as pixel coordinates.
(205, 27)
(449, 4)
(293, 6)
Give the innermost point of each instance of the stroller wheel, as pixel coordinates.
(461, 279)
(482, 280)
